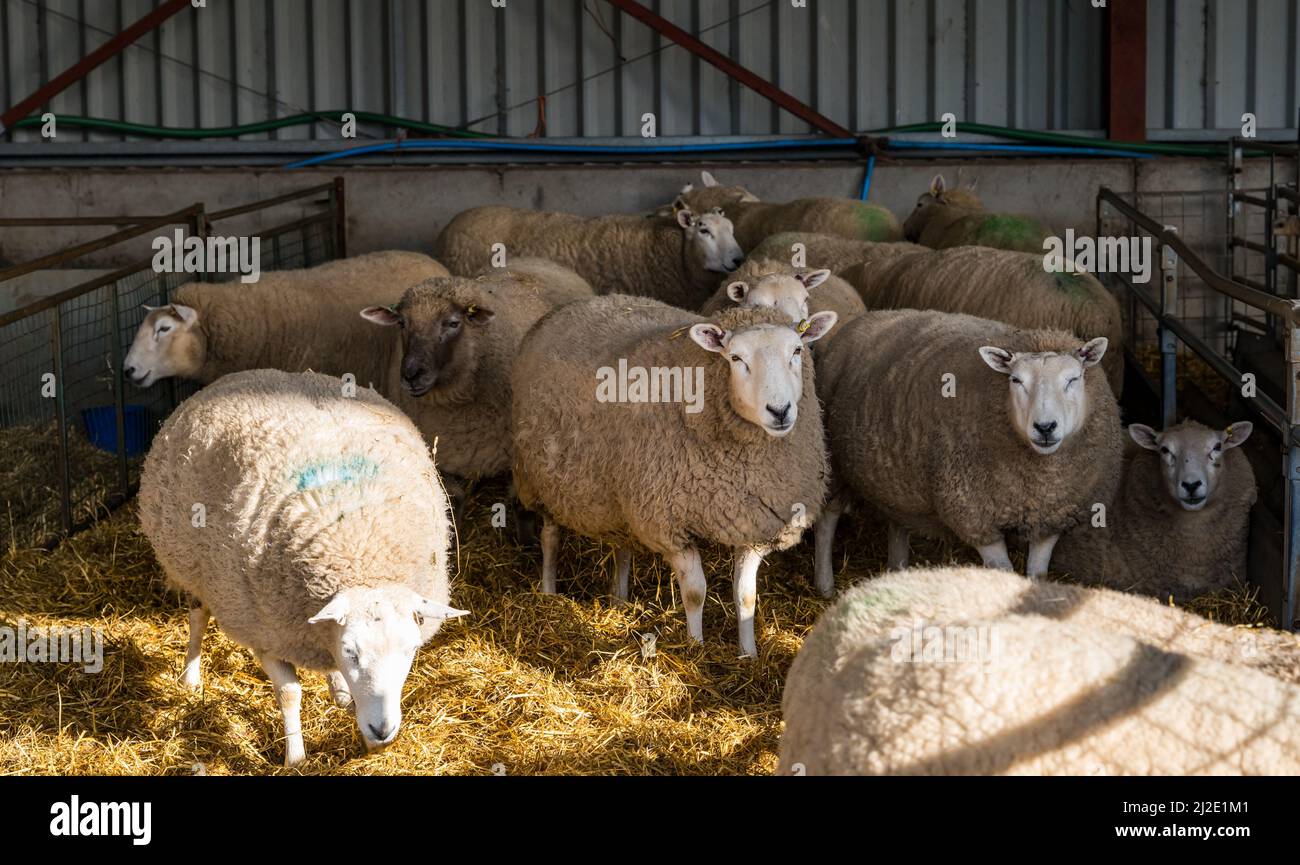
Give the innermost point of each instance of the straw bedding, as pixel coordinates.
(528, 684)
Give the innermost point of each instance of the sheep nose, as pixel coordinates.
(130, 371)
(1045, 429)
(1191, 487)
(412, 369)
(779, 413)
(381, 732)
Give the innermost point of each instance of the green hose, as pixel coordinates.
(145, 130)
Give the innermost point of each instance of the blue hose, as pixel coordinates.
(530, 147)
(866, 181)
(989, 147)
(717, 147)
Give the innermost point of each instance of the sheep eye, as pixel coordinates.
(1016, 380)
(704, 232)
(1072, 381)
(453, 323)
(1164, 450)
(419, 619)
(735, 358)
(798, 350)
(164, 328)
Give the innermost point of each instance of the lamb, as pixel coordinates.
(675, 261)
(448, 364)
(992, 283)
(294, 320)
(956, 217)
(794, 291)
(755, 220)
(313, 526)
(1179, 525)
(920, 429)
(972, 671)
(836, 254)
(742, 463)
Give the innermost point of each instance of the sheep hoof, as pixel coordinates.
(190, 679)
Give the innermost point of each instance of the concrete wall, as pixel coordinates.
(405, 207)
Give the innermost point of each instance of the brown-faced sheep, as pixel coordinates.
(836, 254)
(756, 220)
(795, 291)
(956, 217)
(1180, 522)
(313, 525)
(921, 425)
(677, 261)
(1011, 287)
(973, 671)
(643, 425)
(294, 320)
(449, 357)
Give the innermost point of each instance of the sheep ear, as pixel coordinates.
(973, 184)
(709, 336)
(936, 185)
(817, 325)
(187, 314)
(434, 610)
(1237, 433)
(737, 291)
(382, 315)
(335, 611)
(687, 188)
(813, 278)
(685, 218)
(1144, 436)
(1091, 352)
(999, 359)
(708, 179)
(476, 314)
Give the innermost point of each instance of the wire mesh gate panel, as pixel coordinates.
(72, 430)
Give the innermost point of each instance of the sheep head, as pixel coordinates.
(1191, 457)
(373, 633)
(710, 244)
(766, 361)
(169, 343)
(1048, 399)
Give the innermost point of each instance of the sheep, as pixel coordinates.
(313, 526)
(675, 261)
(920, 429)
(293, 320)
(972, 671)
(450, 352)
(836, 254)
(793, 291)
(755, 220)
(731, 466)
(992, 283)
(1180, 522)
(946, 217)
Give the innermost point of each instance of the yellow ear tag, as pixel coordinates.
(803, 326)
(471, 309)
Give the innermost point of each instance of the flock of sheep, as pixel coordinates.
(306, 497)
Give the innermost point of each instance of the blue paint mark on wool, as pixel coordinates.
(337, 471)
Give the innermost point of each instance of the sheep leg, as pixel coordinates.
(339, 689)
(689, 571)
(823, 564)
(198, 624)
(550, 547)
(899, 548)
(995, 555)
(622, 568)
(1040, 556)
(288, 693)
(745, 586)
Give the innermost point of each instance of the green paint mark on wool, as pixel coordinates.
(347, 470)
(1073, 285)
(1003, 231)
(874, 223)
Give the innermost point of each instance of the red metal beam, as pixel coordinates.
(82, 67)
(761, 86)
(1126, 47)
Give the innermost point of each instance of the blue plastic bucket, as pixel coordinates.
(101, 428)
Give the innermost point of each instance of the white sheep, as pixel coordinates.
(975, 671)
(795, 291)
(293, 320)
(1181, 520)
(921, 429)
(677, 261)
(313, 526)
(721, 441)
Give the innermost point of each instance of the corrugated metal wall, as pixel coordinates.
(867, 64)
